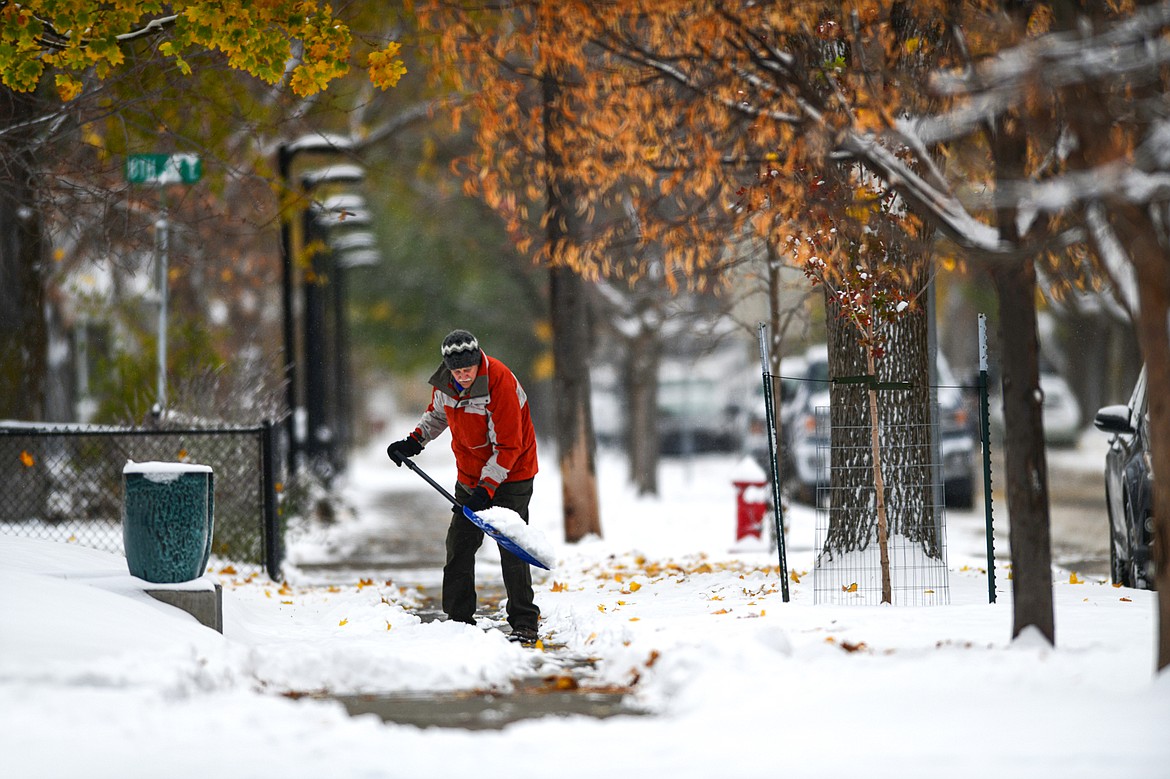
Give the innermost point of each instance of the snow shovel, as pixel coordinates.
(504, 541)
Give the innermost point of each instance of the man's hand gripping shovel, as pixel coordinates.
(499, 537)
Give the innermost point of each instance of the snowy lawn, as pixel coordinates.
(100, 680)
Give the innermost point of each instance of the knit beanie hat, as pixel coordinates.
(460, 350)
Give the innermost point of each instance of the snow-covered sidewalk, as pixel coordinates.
(99, 680)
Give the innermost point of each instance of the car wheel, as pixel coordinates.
(960, 494)
(1137, 570)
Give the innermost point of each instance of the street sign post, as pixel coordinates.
(163, 168)
(160, 169)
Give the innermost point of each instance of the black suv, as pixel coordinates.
(1129, 489)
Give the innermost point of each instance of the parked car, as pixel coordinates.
(793, 389)
(1060, 411)
(1129, 488)
(957, 448)
(695, 418)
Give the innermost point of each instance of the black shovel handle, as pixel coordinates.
(409, 463)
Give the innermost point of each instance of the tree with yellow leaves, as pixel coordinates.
(53, 51)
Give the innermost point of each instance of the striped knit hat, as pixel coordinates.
(460, 350)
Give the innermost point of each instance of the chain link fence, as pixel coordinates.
(64, 483)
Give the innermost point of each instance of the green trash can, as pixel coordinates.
(168, 515)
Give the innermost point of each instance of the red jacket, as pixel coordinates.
(491, 428)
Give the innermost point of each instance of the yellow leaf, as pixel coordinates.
(387, 625)
(1116, 585)
(635, 619)
(228, 570)
(342, 622)
(794, 576)
(1072, 578)
(601, 607)
(634, 586)
(287, 602)
(850, 588)
(539, 645)
(558, 587)
(565, 683)
(27, 459)
(721, 611)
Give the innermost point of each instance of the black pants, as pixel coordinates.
(464, 539)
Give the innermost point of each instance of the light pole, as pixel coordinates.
(316, 143)
(353, 248)
(324, 409)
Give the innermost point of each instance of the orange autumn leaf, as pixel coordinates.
(850, 588)
(228, 570)
(634, 586)
(1073, 579)
(721, 611)
(27, 459)
(1126, 600)
(559, 587)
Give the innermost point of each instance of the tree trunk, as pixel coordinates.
(575, 442)
(576, 445)
(1024, 461)
(640, 382)
(905, 434)
(879, 486)
(23, 330)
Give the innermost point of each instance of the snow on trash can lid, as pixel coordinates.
(160, 471)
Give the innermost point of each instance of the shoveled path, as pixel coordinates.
(409, 549)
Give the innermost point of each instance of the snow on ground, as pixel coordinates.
(100, 680)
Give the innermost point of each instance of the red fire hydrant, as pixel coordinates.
(752, 500)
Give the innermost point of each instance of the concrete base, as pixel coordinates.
(205, 605)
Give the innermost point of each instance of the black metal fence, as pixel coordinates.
(64, 483)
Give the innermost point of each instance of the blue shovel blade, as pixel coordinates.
(501, 539)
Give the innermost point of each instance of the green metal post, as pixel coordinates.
(985, 440)
(770, 423)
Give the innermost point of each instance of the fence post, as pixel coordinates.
(770, 423)
(273, 537)
(985, 436)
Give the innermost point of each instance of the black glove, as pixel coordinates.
(400, 450)
(478, 500)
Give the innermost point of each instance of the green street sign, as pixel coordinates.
(163, 168)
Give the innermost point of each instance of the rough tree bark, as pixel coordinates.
(905, 438)
(23, 330)
(576, 445)
(1025, 465)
